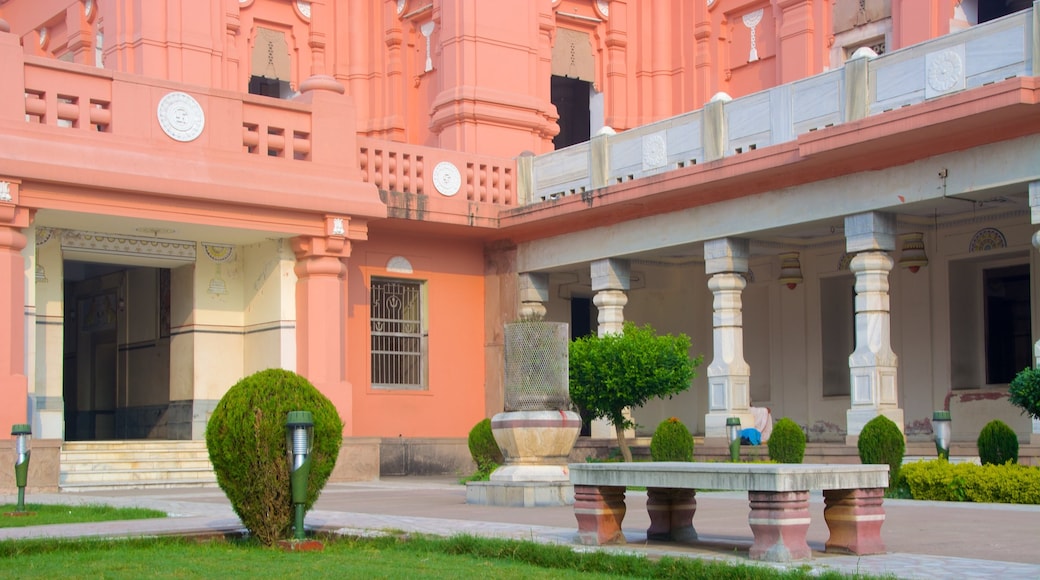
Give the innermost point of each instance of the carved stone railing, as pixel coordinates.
(414, 169)
(867, 85)
(80, 98)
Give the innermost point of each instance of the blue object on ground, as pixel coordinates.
(750, 436)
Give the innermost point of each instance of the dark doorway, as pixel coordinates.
(993, 9)
(266, 87)
(581, 317)
(571, 97)
(1009, 345)
(116, 363)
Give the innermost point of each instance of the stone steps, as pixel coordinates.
(87, 466)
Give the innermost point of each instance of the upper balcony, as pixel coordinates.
(796, 114)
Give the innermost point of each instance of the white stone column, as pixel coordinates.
(610, 282)
(872, 366)
(534, 293)
(1034, 210)
(729, 376)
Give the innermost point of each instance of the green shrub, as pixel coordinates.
(246, 442)
(998, 444)
(671, 442)
(484, 450)
(881, 442)
(1024, 392)
(787, 442)
(938, 480)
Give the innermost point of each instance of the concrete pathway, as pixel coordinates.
(924, 539)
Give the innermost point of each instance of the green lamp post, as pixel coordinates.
(22, 434)
(299, 437)
(941, 426)
(733, 428)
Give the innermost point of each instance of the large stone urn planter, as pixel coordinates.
(535, 444)
(537, 429)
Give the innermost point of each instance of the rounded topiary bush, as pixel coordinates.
(671, 442)
(1024, 391)
(787, 442)
(483, 448)
(246, 441)
(881, 442)
(998, 444)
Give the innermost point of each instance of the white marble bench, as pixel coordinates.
(778, 493)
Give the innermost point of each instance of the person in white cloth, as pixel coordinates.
(763, 421)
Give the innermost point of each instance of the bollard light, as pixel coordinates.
(22, 433)
(299, 436)
(733, 428)
(941, 426)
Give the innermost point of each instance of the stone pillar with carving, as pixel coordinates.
(13, 380)
(1034, 209)
(610, 282)
(321, 317)
(873, 365)
(534, 293)
(729, 376)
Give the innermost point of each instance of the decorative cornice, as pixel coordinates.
(128, 245)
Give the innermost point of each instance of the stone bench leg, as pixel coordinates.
(671, 514)
(854, 518)
(599, 511)
(779, 521)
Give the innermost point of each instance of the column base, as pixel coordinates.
(855, 419)
(715, 424)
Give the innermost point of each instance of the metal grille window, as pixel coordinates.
(398, 334)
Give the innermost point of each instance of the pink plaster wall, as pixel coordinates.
(454, 402)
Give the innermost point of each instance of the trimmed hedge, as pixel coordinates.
(672, 441)
(787, 442)
(881, 442)
(997, 443)
(246, 442)
(939, 480)
(484, 450)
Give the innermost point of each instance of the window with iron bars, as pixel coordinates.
(398, 319)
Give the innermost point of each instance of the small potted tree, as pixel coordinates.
(616, 371)
(1024, 393)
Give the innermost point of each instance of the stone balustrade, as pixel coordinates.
(867, 85)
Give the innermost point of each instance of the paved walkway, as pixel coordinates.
(925, 539)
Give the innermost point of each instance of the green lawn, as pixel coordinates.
(387, 557)
(43, 514)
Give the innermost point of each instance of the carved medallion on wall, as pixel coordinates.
(987, 239)
(945, 72)
(655, 151)
(181, 117)
(446, 178)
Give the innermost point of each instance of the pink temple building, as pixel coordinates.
(837, 200)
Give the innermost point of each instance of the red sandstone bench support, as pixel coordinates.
(779, 521)
(599, 511)
(671, 514)
(854, 518)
